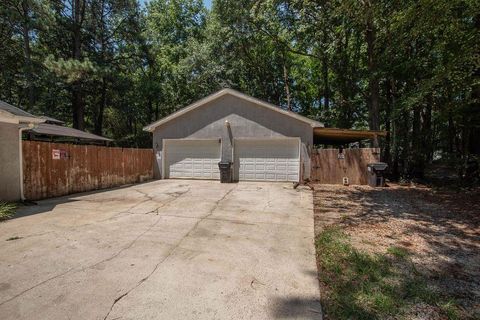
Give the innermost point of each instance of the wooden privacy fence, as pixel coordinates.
(56, 169)
(329, 166)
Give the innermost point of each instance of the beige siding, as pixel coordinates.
(246, 119)
(9, 162)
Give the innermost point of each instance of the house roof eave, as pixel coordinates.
(151, 127)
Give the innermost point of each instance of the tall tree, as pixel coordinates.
(109, 66)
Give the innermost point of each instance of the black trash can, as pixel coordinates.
(376, 173)
(225, 171)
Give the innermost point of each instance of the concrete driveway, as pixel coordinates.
(171, 249)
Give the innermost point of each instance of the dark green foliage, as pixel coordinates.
(409, 67)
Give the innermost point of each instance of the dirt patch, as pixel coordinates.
(440, 230)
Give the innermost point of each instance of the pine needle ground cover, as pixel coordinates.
(359, 285)
(397, 253)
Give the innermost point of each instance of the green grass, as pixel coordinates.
(398, 252)
(7, 210)
(359, 285)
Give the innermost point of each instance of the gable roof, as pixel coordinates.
(44, 125)
(52, 120)
(61, 131)
(17, 115)
(234, 93)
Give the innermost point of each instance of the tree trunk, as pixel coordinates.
(326, 84)
(101, 108)
(427, 130)
(373, 85)
(388, 114)
(325, 67)
(285, 80)
(151, 112)
(473, 145)
(78, 103)
(78, 107)
(103, 91)
(28, 55)
(417, 164)
(451, 134)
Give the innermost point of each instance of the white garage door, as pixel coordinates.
(268, 160)
(192, 159)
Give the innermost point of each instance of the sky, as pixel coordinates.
(207, 3)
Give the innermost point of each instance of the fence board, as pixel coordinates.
(84, 168)
(329, 169)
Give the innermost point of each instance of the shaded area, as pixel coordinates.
(296, 308)
(361, 285)
(333, 136)
(330, 166)
(46, 205)
(439, 230)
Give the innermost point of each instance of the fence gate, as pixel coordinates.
(330, 166)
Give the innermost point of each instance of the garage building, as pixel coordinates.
(263, 141)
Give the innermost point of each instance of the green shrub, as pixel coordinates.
(7, 210)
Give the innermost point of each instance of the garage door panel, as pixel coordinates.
(270, 176)
(270, 167)
(292, 167)
(268, 159)
(194, 159)
(292, 177)
(259, 176)
(260, 167)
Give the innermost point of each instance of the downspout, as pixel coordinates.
(20, 131)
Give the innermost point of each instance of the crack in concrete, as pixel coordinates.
(141, 234)
(253, 223)
(170, 252)
(149, 198)
(33, 235)
(104, 260)
(35, 286)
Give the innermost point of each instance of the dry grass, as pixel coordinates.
(437, 233)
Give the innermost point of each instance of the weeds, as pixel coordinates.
(7, 210)
(398, 252)
(359, 285)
